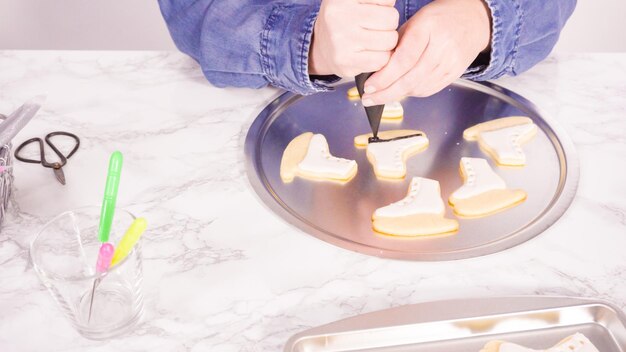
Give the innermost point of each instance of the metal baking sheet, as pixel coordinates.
(467, 325)
(341, 214)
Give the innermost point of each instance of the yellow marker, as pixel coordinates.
(127, 242)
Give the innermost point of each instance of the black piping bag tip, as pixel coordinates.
(374, 113)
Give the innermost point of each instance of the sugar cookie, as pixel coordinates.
(483, 191)
(389, 156)
(308, 156)
(393, 112)
(420, 213)
(502, 138)
(574, 343)
(353, 94)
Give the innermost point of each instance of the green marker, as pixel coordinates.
(110, 196)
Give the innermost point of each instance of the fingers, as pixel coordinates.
(379, 18)
(447, 72)
(378, 2)
(372, 61)
(420, 79)
(378, 40)
(345, 30)
(407, 53)
(369, 61)
(441, 79)
(436, 46)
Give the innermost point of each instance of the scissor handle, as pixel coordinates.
(42, 155)
(58, 152)
(24, 144)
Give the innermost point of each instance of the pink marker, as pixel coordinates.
(105, 254)
(104, 257)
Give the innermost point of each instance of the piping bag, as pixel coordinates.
(374, 113)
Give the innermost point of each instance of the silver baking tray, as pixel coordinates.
(340, 214)
(467, 325)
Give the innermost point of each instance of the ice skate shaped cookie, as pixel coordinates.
(389, 155)
(308, 156)
(393, 112)
(502, 138)
(575, 343)
(420, 213)
(483, 191)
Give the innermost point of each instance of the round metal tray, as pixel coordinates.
(341, 214)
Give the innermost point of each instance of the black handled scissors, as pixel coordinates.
(57, 166)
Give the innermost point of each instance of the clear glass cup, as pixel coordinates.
(64, 255)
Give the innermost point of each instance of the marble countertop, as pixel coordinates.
(216, 283)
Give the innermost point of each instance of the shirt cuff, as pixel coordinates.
(506, 26)
(285, 44)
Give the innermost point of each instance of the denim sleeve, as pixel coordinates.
(523, 33)
(247, 43)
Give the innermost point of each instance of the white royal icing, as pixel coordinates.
(506, 142)
(319, 161)
(577, 343)
(393, 109)
(479, 178)
(388, 155)
(424, 198)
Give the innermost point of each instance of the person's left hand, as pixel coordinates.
(436, 46)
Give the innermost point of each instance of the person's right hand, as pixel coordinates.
(353, 36)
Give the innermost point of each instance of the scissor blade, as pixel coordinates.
(93, 292)
(374, 113)
(18, 119)
(58, 173)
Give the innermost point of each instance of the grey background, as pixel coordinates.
(596, 26)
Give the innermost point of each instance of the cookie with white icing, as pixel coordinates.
(308, 156)
(393, 112)
(420, 213)
(502, 138)
(389, 157)
(574, 343)
(483, 191)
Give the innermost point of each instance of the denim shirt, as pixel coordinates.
(253, 43)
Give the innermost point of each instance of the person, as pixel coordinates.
(416, 47)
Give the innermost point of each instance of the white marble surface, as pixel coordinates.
(224, 274)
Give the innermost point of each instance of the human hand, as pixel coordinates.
(436, 46)
(353, 36)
